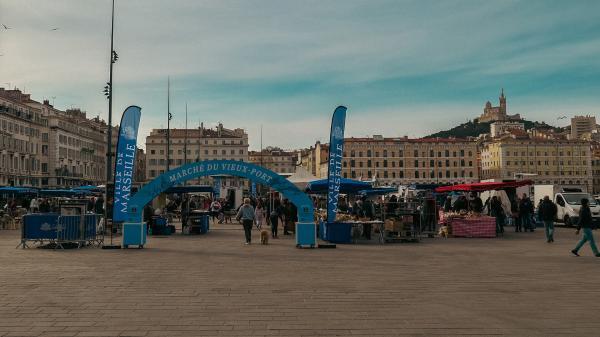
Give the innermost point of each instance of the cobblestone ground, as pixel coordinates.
(213, 285)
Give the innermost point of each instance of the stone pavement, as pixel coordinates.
(213, 285)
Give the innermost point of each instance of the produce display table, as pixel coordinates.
(475, 227)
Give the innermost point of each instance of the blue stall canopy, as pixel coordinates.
(90, 188)
(190, 189)
(64, 193)
(17, 190)
(379, 191)
(347, 186)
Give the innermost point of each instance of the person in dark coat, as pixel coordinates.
(497, 212)
(274, 215)
(448, 204)
(585, 222)
(547, 213)
(525, 211)
(475, 204)
(99, 207)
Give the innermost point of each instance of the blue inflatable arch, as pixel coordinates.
(252, 172)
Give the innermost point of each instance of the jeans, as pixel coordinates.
(549, 228)
(248, 229)
(526, 222)
(499, 224)
(274, 226)
(587, 236)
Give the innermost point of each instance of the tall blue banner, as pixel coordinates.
(125, 161)
(336, 153)
(217, 187)
(253, 189)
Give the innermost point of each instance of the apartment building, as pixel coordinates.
(545, 161)
(401, 161)
(192, 145)
(275, 159)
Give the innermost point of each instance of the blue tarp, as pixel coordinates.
(63, 193)
(346, 186)
(379, 191)
(17, 190)
(91, 188)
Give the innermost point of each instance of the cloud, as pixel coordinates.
(402, 67)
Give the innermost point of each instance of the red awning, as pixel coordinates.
(486, 186)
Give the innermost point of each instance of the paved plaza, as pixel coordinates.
(213, 285)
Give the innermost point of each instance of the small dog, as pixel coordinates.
(444, 231)
(264, 237)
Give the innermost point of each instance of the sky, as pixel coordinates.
(403, 68)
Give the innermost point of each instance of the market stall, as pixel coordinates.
(468, 221)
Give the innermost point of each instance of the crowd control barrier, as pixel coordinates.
(60, 230)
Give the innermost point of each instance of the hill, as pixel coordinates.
(474, 129)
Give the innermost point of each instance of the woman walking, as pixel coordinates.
(585, 222)
(246, 216)
(259, 215)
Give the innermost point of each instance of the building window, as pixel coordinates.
(416, 163)
(416, 174)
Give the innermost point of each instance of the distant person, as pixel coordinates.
(246, 216)
(475, 204)
(547, 213)
(448, 204)
(461, 204)
(34, 205)
(585, 222)
(274, 216)
(259, 215)
(215, 209)
(497, 212)
(525, 211)
(99, 207)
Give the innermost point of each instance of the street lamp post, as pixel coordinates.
(108, 92)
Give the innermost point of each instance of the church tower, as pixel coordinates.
(502, 103)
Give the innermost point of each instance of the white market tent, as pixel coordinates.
(301, 177)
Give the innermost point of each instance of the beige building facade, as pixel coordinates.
(545, 161)
(404, 161)
(582, 127)
(275, 159)
(46, 147)
(202, 144)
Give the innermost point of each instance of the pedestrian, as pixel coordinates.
(246, 216)
(274, 216)
(448, 204)
(369, 210)
(547, 213)
(497, 211)
(34, 205)
(215, 209)
(525, 211)
(99, 207)
(585, 222)
(287, 216)
(259, 215)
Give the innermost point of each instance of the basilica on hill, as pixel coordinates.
(497, 113)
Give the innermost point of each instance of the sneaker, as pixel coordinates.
(575, 252)
(247, 243)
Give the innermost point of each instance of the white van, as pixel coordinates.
(568, 205)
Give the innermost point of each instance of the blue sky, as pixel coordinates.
(401, 67)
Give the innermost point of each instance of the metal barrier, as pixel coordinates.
(77, 229)
(52, 228)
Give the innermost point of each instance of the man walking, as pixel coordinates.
(246, 216)
(547, 214)
(585, 222)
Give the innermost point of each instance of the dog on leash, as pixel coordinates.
(444, 231)
(264, 237)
